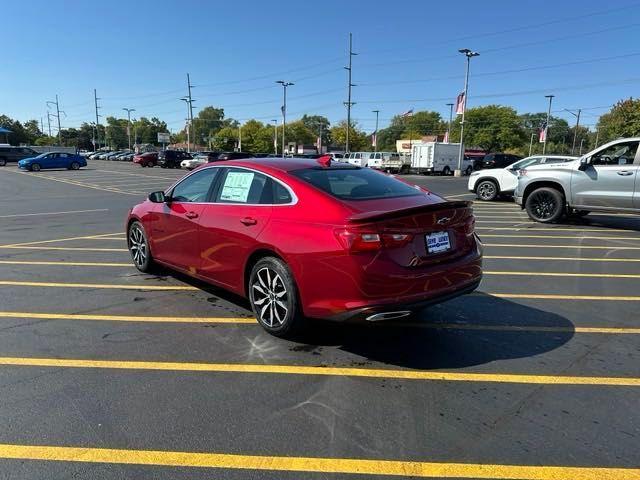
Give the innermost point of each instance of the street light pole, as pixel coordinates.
(375, 146)
(275, 136)
(450, 105)
(284, 109)
(129, 110)
(467, 53)
(546, 127)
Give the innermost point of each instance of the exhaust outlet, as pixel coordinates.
(388, 316)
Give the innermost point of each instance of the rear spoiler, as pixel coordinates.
(382, 215)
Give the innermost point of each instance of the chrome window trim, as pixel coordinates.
(294, 197)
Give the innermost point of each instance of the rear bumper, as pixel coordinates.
(363, 314)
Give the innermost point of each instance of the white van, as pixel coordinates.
(359, 159)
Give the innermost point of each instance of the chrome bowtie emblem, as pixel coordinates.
(443, 220)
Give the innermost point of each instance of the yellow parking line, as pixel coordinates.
(544, 296)
(528, 328)
(65, 264)
(68, 182)
(54, 213)
(571, 259)
(569, 237)
(70, 249)
(368, 467)
(66, 239)
(321, 371)
(97, 285)
(562, 274)
(578, 247)
(252, 321)
(528, 222)
(127, 318)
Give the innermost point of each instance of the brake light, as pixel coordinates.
(366, 241)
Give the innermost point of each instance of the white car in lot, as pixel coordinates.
(191, 163)
(489, 184)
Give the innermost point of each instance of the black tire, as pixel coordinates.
(138, 245)
(404, 170)
(545, 205)
(151, 164)
(35, 167)
(446, 171)
(487, 190)
(274, 297)
(3, 162)
(74, 166)
(143, 164)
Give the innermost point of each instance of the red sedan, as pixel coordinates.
(307, 238)
(146, 159)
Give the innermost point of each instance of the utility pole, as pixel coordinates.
(49, 122)
(533, 135)
(41, 124)
(284, 109)
(581, 142)
(95, 100)
(375, 133)
(189, 101)
(546, 127)
(129, 110)
(575, 133)
(240, 138)
(57, 115)
(450, 105)
(93, 134)
(275, 136)
(597, 135)
(467, 53)
(349, 103)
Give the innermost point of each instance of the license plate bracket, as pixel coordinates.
(437, 242)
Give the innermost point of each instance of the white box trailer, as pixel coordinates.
(435, 157)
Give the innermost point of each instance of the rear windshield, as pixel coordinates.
(355, 183)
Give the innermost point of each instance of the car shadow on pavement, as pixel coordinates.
(605, 221)
(471, 330)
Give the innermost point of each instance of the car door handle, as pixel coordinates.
(248, 221)
(191, 215)
(624, 173)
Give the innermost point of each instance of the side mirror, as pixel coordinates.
(584, 164)
(158, 197)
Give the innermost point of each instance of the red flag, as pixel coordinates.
(542, 135)
(460, 104)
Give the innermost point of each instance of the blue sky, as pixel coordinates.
(137, 53)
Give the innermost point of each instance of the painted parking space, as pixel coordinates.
(551, 329)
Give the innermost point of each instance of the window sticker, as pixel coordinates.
(236, 187)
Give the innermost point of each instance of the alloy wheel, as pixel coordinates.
(487, 191)
(270, 297)
(543, 205)
(138, 246)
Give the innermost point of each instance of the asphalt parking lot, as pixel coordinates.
(107, 373)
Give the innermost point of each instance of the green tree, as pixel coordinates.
(623, 120)
(207, 123)
(116, 132)
(493, 128)
(257, 137)
(298, 132)
(358, 139)
(225, 139)
(317, 124)
(147, 130)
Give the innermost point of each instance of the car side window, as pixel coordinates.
(618, 154)
(281, 194)
(195, 188)
(247, 187)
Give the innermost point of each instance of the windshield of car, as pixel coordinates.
(526, 162)
(355, 183)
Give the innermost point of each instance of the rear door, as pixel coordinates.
(230, 225)
(175, 232)
(609, 180)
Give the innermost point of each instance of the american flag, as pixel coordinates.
(460, 104)
(542, 134)
(408, 113)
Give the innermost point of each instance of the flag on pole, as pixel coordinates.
(446, 137)
(319, 144)
(460, 103)
(374, 139)
(408, 113)
(282, 109)
(542, 135)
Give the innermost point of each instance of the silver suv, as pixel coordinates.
(604, 180)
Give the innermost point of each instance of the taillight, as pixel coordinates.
(366, 241)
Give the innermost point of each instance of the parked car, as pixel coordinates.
(14, 154)
(53, 160)
(491, 183)
(97, 155)
(172, 158)
(331, 240)
(391, 162)
(603, 180)
(359, 159)
(146, 159)
(233, 156)
(495, 160)
(195, 162)
(104, 155)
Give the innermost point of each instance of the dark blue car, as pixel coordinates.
(53, 160)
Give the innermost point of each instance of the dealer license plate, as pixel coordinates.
(438, 242)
